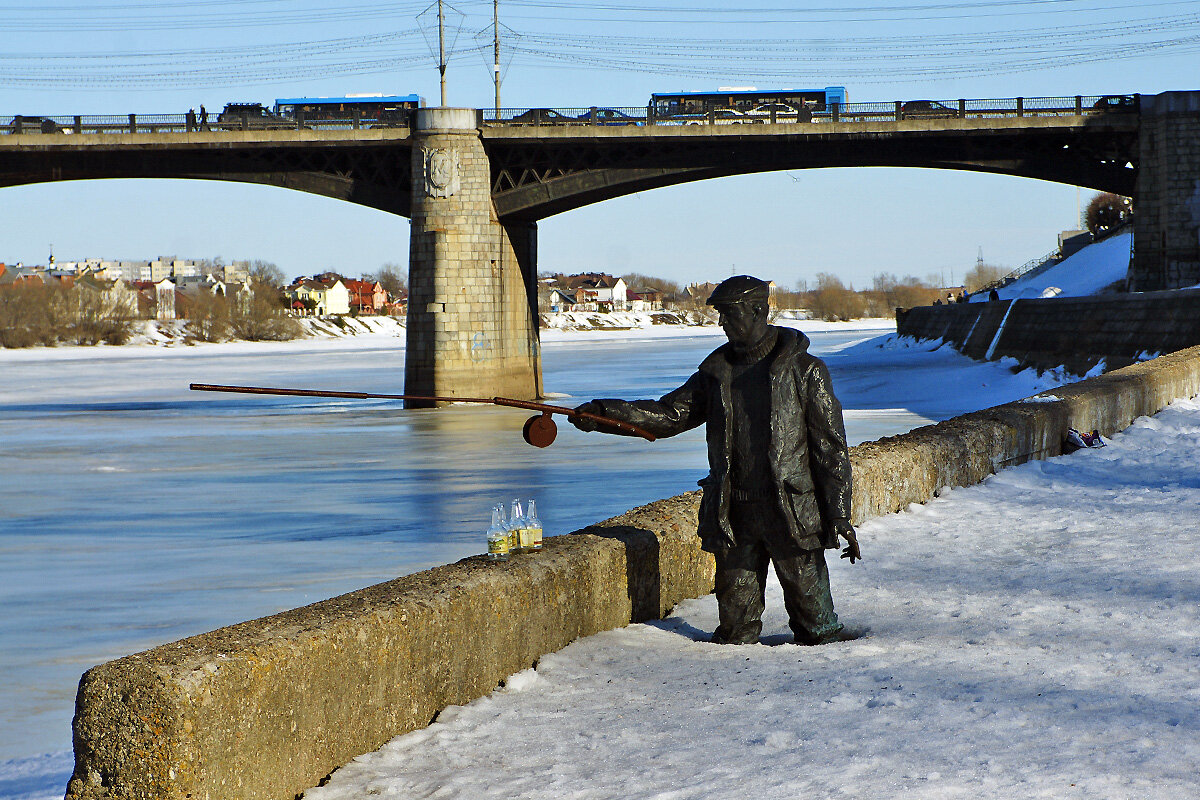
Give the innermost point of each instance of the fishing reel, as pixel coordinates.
(540, 430)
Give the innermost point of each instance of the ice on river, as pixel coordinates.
(134, 512)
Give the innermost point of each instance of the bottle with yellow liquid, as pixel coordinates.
(516, 525)
(534, 526)
(498, 536)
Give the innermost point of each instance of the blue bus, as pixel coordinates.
(735, 103)
(369, 109)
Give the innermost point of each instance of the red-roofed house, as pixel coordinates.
(596, 291)
(366, 297)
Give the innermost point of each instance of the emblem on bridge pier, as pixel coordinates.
(441, 172)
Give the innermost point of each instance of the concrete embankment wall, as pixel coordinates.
(1076, 332)
(268, 708)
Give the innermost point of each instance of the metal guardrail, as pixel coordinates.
(605, 116)
(898, 110)
(1054, 256)
(184, 123)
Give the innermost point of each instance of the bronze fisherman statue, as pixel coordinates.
(778, 488)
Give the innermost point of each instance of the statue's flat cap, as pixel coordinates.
(739, 289)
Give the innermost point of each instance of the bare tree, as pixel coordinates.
(983, 274)
(268, 273)
(833, 300)
(392, 277)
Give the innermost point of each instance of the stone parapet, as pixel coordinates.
(269, 707)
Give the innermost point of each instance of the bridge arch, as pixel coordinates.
(565, 170)
(372, 169)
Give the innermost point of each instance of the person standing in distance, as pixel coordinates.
(778, 488)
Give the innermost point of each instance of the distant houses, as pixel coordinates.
(367, 297)
(596, 291)
(169, 288)
(319, 297)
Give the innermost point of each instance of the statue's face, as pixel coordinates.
(744, 323)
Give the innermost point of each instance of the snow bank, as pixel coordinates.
(1087, 272)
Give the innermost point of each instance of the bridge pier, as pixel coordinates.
(472, 306)
(1167, 216)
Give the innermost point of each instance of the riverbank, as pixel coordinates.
(391, 331)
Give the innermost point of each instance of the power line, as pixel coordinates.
(889, 58)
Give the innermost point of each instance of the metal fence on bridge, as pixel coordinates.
(898, 110)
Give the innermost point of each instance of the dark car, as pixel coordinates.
(1117, 102)
(608, 116)
(541, 116)
(927, 109)
(250, 116)
(25, 123)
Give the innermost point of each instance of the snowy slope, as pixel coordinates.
(1085, 273)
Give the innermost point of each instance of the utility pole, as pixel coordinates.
(442, 50)
(496, 51)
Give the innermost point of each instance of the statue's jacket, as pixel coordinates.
(810, 465)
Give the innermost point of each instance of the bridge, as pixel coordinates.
(475, 184)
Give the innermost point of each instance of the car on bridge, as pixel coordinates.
(608, 116)
(251, 116)
(1117, 102)
(927, 109)
(25, 123)
(541, 116)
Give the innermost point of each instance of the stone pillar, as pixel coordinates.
(1166, 236)
(472, 305)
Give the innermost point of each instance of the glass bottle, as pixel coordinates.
(516, 525)
(498, 536)
(534, 525)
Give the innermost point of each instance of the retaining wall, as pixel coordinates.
(1076, 332)
(268, 708)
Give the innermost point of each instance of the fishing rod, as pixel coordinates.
(539, 430)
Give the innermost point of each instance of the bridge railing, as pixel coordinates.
(897, 110)
(181, 123)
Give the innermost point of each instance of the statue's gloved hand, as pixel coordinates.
(583, 423)
(844, 529)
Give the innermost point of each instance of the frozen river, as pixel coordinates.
(134, 512)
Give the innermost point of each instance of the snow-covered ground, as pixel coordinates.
(1085, 273)
(1037, 635)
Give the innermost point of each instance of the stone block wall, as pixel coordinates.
(1076, 332)
(472, 330)
(1167, 223)
(268, 708)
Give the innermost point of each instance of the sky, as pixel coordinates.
(119, 56)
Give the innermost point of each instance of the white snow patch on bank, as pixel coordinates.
(1087, 272)
(1033, 636)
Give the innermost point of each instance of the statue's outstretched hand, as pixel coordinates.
(844, 529)
(583, 423)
